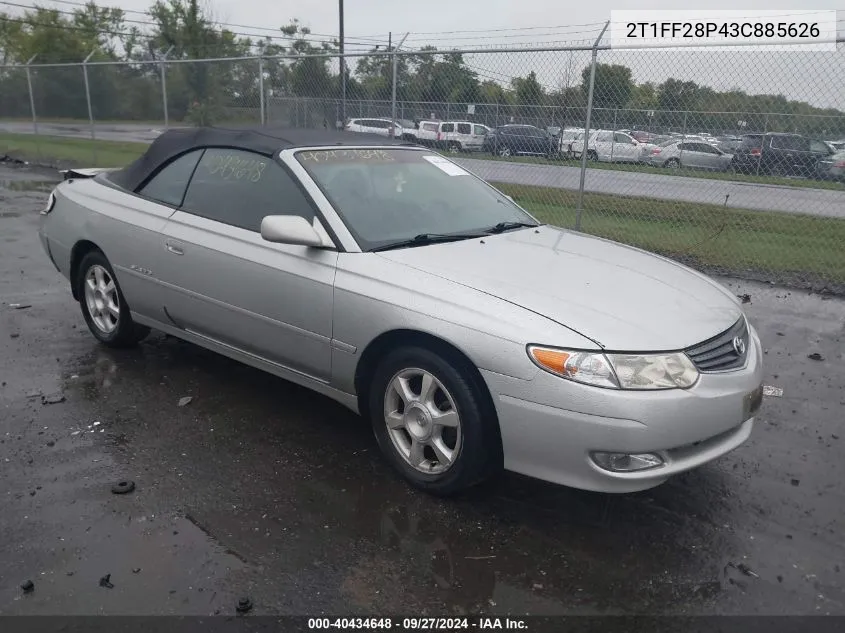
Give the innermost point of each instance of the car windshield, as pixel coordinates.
(388, 195)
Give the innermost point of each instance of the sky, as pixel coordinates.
(815, 77)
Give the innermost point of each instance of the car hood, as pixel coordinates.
(622, 298)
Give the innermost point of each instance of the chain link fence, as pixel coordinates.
(729, 160)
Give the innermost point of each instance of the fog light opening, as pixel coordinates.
(627, 462)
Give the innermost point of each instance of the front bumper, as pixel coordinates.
(550, 426)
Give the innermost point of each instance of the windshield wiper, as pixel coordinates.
(428, 238)
(501, 227)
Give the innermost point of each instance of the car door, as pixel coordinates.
(226, 283)
(711, 157)
(625, 148)
(135, 242)
(603, 145)
(463, 133)
(479, 133)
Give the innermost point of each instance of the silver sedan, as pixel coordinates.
(472, 336)
(689, 155)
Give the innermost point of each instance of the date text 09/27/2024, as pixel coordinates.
(419, 624)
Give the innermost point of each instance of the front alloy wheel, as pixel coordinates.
(422, 421)
(433, 421)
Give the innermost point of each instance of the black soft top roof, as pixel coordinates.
(262, 140)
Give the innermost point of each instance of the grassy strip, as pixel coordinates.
(84, 122)
(74, 151)
(686, 172)
(715, 236)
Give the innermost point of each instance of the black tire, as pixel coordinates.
(672, 163)
(453, 147)
(504, 151)
(592, 156)
(126, 332)
(480, 451)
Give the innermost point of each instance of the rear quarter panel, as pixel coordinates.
(126, 228)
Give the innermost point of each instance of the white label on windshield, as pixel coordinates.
(444, 165)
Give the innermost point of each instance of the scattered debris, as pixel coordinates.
(15, 335)
(775, 392)
(781, 334)
(815, 356)
(537, 585)
(20, 306)
(186, 400)
(28, 586)
(54, 398)
(745, 298)
(51, 443)
(123, 487)
(795, 482)
(136, 570)
(105, 581)
(745, 569)
(33, 394)
(244, 605)
(479, 557)
(834, 436)
(780, 578)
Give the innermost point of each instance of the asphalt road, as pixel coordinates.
(261, 488)
(830, 203)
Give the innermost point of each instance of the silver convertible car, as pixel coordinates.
(388, 278)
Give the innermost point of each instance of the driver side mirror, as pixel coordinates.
(294, 230)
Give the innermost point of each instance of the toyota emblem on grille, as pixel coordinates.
(739, 345)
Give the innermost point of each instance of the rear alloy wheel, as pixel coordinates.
(454, 147)
(672, 163)
(592, 156)
(429, 422)
(103, 307)
(505, 151)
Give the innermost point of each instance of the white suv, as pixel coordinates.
(610, 146)
(454, 136)
(381, 127)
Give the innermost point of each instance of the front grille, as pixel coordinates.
(719, 353)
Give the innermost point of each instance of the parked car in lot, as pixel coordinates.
(388, 278)
(453, 136)
(689, 155)
(382, 127)
(609, 146)
(512, 140)
(831, 167)
(779, 154)
(565, 140)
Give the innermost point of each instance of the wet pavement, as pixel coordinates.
(260, 488)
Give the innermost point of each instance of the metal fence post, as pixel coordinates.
(613, 144)
(762, 143)
(580, 208)
(261, 89)
(32, 104)
(164, 88)
(393, 87)
(88, 99)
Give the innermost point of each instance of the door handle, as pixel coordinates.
(174, 247)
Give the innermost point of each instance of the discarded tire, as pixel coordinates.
(244, 605)
(28, 586)
(123, 487)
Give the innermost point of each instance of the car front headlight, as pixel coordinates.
(617, 371)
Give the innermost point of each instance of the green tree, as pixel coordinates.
(613, 85)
